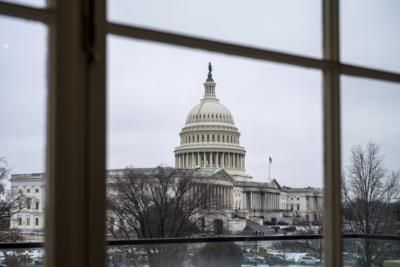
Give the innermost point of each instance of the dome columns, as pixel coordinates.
(210, 159)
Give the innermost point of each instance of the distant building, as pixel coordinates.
(210, 144)
(30, 220)
(302, 204)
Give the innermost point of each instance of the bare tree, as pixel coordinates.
(218, 254)
(10, 204)
(157, 203)
(369, 191)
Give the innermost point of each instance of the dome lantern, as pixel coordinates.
(209, 85)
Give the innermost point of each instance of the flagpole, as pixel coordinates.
(269, 171)
(269, 168)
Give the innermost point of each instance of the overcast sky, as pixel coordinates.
(152, 87)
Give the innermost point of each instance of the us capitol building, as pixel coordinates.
(210, 145)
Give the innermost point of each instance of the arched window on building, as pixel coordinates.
(213, 138)
(36, 221)
(28, 221)
(37, 205)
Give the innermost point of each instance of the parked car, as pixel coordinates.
(282, 223)
(308, 260)
(275, 259)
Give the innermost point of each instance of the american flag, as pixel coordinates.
(270, 160)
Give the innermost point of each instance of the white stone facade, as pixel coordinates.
(30, 220)
(304, 204)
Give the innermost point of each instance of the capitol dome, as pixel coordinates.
(209, 110)
(210, 138)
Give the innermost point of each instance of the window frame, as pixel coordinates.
(75, 227)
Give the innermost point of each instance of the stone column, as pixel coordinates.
(225, 197)
(216, 197)
(217, 160)
(213, 163)
(230, 197)
(236, 161)
(273, 201)
(182, 160)
(220, 197)
(223, 160)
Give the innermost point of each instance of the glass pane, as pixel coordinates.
(370, 157)
(219, 254)
(22, 257)
(289, 26)
(31, 3)
(384, 251)
(196, 149)
(23, 83)
(370, 33)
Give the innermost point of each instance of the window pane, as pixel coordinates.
(32, 3)
(370, 33)
(290, 26)
(23, 83)
(277, 252)
(371, 173)
(249, 163)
